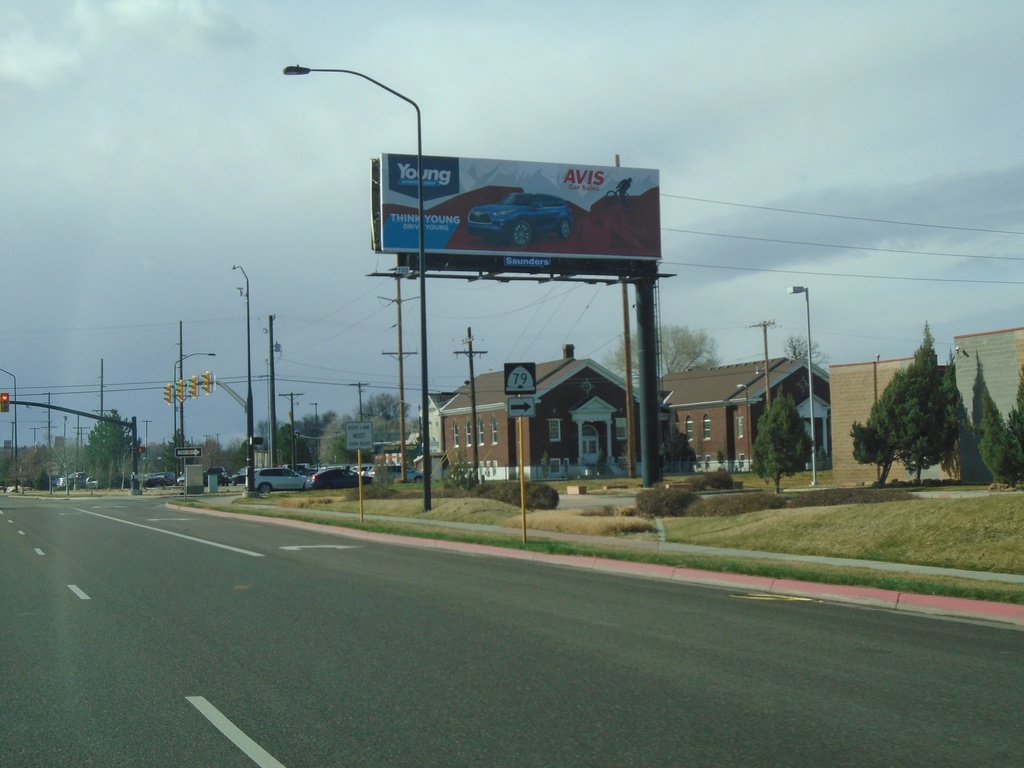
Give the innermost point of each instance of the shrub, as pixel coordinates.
(371, 491)
(739, 504)
(830, 497)
(538, 495)
(719, 480)
(665, 502)
(460, 474)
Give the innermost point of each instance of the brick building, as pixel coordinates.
(718, 408)
(579, 427)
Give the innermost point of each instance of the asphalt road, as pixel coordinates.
(132, 635)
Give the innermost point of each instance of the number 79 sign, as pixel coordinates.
(520, 378)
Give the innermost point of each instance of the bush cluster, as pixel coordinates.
(719, 480)
(828, 497)
(680, 503)
(538, 495)
(665, 502)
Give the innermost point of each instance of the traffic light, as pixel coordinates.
(169, 393)
(181, 390)
(5, 402)
(207, 382)
(193, 387)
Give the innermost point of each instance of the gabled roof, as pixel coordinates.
(490, 387)
(727, 383)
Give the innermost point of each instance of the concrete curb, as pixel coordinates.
(880, 598)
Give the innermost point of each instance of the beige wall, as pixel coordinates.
(854, 388)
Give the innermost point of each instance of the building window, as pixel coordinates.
(555, 430)
(480, 431)
(555, 466)
(494, 430)
(739, 426)
(689, 426)
(455, 434)
(707, 427)
(469, 433)
(620, 428)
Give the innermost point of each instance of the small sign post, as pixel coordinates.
(359, 435)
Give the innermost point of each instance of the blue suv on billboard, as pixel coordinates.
(520, 217)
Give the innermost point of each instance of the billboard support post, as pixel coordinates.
(649, 407)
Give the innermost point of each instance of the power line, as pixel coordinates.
(845, 274)
(842, 247)
(843, 216)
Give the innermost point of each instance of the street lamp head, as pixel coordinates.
(295, 69)
(797, 289)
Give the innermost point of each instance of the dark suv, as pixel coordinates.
(520, 217)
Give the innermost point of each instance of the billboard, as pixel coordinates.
(526, 213)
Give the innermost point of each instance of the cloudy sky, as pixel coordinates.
(871, 151)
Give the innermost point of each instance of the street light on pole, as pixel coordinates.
(424, 396)
(810, 381)
(250, 449)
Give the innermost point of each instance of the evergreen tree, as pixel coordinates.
(782, 446)
(994, 444)
(110, 448)
(915, 419)
(1002, 441)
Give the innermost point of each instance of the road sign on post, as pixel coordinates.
(521, 407)
(520, 378)
(190, 452)
(359, 435)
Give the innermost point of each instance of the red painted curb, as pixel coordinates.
(905, 601)
(886, 598)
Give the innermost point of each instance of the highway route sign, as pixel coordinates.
(520, 378)
(189, 452)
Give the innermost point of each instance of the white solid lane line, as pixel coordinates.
(172, 533)
(78, 592)
(252, 750)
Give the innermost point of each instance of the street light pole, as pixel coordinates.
(424, 395)
(810, 381)
(250, 450)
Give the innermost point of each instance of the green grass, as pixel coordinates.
(985, 533)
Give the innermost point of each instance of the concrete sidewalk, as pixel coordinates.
(947, 606)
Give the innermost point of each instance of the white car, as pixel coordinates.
(278, 479)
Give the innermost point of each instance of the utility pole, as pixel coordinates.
(764, 325)
(273, 397)
(359, 385)
(475, 442)
(400, 355)
(291, 416)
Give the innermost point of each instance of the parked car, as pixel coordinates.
(223, 477)
(521, 216)
(278, 479)
(335, 478)
(239, 477)
(411, 475)
(158, 479)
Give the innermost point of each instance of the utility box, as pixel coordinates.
(193, 479)
(212, 481)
